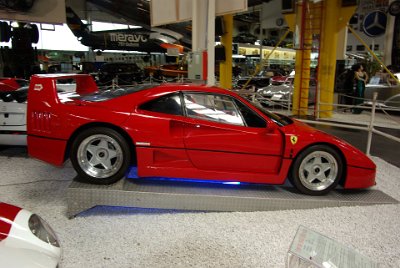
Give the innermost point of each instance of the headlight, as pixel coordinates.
(42, 230)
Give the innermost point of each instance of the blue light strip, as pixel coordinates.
(132, 174)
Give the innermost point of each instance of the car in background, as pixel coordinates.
(8, 84)
(13, 114)
(184, 131)
(245, 38)
(26, 240)
(262, 79)
(276, 94)
(388, 93)
(121, 73)
(278, 80)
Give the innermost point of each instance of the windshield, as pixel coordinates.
(279, 119)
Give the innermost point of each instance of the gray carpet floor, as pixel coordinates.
(126, 237)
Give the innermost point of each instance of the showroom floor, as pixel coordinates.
(123, 237)
(129, 237)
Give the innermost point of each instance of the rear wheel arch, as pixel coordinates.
(121, 131)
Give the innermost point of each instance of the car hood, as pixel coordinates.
(306, 135)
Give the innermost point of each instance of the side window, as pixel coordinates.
(169, 104)
(211, 107)
(252, 118)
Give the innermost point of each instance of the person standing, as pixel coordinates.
(360, 77)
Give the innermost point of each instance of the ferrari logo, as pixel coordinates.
(293, 139)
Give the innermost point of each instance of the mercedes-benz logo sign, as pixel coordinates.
(375, 23)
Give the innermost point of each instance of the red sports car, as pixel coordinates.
(184, 131)
(11, 84)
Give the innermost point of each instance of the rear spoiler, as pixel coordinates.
(43, 98)
(43, 89)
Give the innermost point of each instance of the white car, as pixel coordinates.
(13, 114)
(26, 240)
(13, 117)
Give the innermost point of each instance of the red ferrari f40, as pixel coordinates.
(184, 131)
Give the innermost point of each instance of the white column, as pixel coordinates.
(211, 43)
(199, 25)
(387, 53)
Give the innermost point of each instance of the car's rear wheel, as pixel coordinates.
(317, 170)
(100, 155)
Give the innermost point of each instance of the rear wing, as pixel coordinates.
(43, 98)
(43, 87)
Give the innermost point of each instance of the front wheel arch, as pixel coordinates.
(342, 180)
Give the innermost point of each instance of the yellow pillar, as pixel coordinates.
(225, 68)
(335, 19)
(303, 59)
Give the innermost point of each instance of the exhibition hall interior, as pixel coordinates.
(200, 133)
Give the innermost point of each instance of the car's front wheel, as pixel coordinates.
(100, 155)
(317, 170)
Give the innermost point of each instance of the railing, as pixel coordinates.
(285, 106)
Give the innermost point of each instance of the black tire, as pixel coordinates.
(6, 96)
(307, 173)
(90, 157)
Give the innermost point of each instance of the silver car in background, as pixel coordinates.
(280, 94)
(388, 95)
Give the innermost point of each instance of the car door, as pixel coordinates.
(159, 123)
(223, 134)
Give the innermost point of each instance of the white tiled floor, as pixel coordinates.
(122, 237)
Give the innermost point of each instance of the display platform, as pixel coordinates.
(146, 193)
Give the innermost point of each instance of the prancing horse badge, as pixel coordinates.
(293, 139)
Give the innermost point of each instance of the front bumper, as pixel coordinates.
(359, 177)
